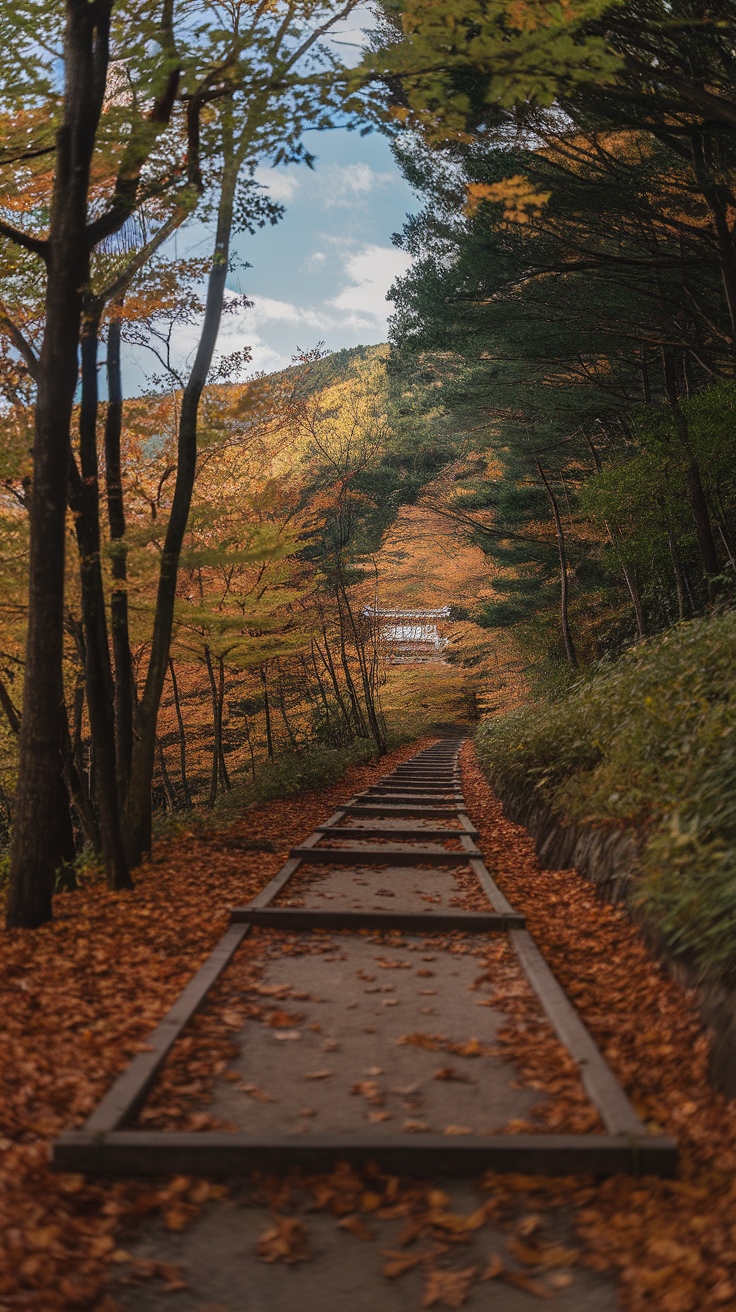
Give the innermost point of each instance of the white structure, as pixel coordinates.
(410, 635)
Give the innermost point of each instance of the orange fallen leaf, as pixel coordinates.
(418, 1040)
(356, 1227)
(448, 1288)
(495, 1268)
(528, 1283)
(284, 1241)
(399, 1262)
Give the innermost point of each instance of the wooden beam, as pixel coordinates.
(601, 1085)
(213, 1153)
(130, 1089)
(404, 922)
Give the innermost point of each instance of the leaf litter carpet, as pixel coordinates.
(80, 996)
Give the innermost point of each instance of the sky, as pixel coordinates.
(322, 273)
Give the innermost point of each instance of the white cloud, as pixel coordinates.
(344, 184)
(371, 271)
(282, 186)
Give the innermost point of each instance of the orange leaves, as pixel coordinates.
(448, 1288)
(418, 1040)
(284, 1241)
(668, 1238)
(518, 195)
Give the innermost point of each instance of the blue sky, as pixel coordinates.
(322, 273)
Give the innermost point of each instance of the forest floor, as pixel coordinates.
(80, 996)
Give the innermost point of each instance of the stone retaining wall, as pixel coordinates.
(609, 859)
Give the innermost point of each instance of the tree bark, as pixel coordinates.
(139, 796)
(225, 777)
(695, 492)
(570, 652)
(182, 739)
(119, 599)
(171, 799)
(216, 729)
(39, 833)
(98, 671)
(267, 708)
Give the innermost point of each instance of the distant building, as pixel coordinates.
(408, 636)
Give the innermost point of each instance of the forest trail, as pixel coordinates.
(403, 1043)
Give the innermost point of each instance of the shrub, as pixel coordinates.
(647, 743)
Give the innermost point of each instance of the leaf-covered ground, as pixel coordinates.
(80, 996)
(674, 1242)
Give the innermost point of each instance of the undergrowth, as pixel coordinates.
(315, 766)
(647, 744)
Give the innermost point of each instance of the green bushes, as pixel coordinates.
(647, 743)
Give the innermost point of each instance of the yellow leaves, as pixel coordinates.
(284, 1241)
(518, 196)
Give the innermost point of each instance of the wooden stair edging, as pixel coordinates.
(217, 1153)
(404, 922)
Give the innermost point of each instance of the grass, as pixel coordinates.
(647, 744)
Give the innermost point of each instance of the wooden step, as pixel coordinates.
(385, 854)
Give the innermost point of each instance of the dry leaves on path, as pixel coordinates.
(284, 1241)
(672, 1241)
(448, 1288)
(79, 998)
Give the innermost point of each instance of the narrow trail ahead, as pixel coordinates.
(377, 1034)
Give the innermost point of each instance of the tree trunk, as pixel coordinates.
(216, 729)
(139, 796)
(225, 777)
(38, 848)
(171, 799)
(682, 602)
(182, 739)
(98, 671)
(250, 746)
(695, 493)
(267, 708)
(566, 635)
(330, 667)
(119, 598)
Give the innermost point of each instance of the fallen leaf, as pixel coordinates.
(415, 1127)
(528, 1224)
(418, 1040)
(254, 1092)
(287, 1034)
(449, 1073)
(495, 1268)
(457, 1129)
(317, 1075)
(560, 1279)
(399, 1262)
(282, 1020)
(376, 1117)
(356, 1227)
(470, 1049)
(448, 1288)
(526, 1282)
(284, 1241)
